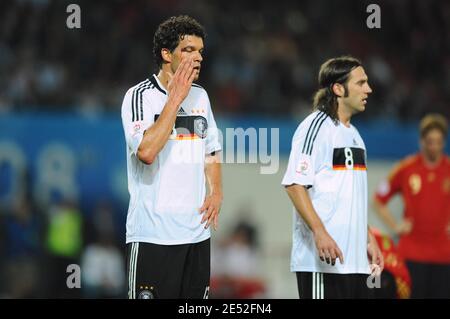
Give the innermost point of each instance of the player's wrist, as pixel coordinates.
(318, 229)
(173, 104)
(217, 194)
(397, 228)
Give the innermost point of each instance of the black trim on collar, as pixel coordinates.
(156, 85)
(197, 86)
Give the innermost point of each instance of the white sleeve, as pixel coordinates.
(307, 155)
(212, 136)
(132, 124)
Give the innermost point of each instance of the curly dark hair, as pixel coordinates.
(171, 31)
(336, 70)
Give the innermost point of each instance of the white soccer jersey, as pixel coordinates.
(166, 195)
(330, 159)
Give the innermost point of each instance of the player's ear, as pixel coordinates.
(166, 55)
(338, 89)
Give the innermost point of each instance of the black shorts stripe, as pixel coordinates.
(134, 106)
(309, 152)
(133, 257)
(315, 285)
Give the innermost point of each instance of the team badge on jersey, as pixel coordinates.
(147, 293)
(303, 166)
(415, 183)
(136, 129)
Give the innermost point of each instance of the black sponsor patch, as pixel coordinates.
(349, 158)
(192, 124)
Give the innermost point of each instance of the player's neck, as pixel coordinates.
(164, 77)
(344, 115)
(431, 162)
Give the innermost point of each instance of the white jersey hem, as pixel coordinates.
(335, 271)
(159, 241)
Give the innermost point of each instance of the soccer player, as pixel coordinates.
(423, 180)
(326, 181)
(172, 143)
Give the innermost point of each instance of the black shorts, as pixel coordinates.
(168, 271)
(429, 280)
(315, 285)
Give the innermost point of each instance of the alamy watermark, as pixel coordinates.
(74, 278)
(373, 21)
(239, 146)
(374, 279)
(73, 21)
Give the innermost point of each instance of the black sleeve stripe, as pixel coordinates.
(315, 135)
(140, 105)
(134, 100)
(311, 130)
(132, 107)
(140, 91)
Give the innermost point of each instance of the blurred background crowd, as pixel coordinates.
(261, 59)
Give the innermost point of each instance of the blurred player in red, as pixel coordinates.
(395, 279)
(423, 180)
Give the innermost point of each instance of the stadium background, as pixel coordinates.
(63, 191)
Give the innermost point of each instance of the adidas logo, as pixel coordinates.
(181, 112)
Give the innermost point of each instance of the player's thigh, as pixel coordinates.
(440, 281)
(155, 271)
(197, 271)
(310, 285)
(420, 278)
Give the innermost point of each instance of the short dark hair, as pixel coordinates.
(433, 121)
(171, 31)
(336, 70)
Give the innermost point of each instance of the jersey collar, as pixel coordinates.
(155, 81)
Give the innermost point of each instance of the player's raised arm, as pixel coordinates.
(156, 136)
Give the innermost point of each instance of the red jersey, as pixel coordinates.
(426, 198)
(394, 264)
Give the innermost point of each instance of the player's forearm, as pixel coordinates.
(385, 214)
(370, 236)
(213, 172)
(302, 203)
(156, 136)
